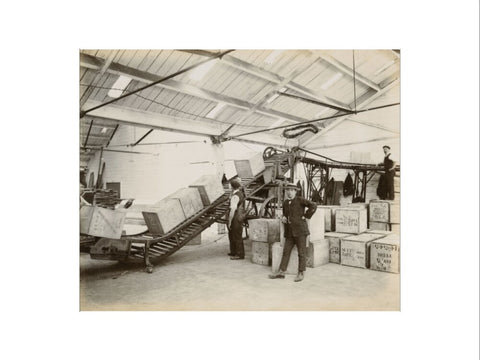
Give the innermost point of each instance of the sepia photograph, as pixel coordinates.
(234, 179)
(271, 180)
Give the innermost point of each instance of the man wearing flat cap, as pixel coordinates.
(296, 230)
(389, 167)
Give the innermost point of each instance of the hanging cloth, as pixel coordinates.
(348, 186)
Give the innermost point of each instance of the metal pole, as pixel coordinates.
(99, 167)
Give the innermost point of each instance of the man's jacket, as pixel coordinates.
(294, 211)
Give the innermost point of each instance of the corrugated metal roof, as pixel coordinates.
(258, 88)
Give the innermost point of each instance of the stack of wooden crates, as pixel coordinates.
(352, 243)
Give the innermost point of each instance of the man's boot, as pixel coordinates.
(299, 276)
(277, 275)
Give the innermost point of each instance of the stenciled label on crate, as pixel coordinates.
(351, 220)
(384, 257)
(379, 211)
(334, 250)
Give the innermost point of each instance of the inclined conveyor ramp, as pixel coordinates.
(147, 247)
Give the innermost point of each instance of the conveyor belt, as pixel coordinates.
(148, 247)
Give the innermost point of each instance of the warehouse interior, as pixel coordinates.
(154, 121)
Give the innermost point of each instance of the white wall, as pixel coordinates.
(166, 168)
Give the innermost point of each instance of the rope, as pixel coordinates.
(291, 133)
(354, 88)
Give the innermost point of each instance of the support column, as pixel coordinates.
(218, 155)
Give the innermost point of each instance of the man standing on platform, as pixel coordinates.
(296, 230)
(389, 167)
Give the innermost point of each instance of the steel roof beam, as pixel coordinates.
(220, 55)
(389, 84)
(266, 75)
(274, 78)
(118, 69)
(277, 90)
(348, 71)
(100, 71)
(140, 118)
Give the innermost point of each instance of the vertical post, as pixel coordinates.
(99, 167)
(148, 264)
(292, 170)
(219, 159)
(364, 188)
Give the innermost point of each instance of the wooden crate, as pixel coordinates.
(251, 166)
(277, 252)
(264, 230)
(229, 169)
(330, 211)
(316, 225)
(327, 211)
(385, 254)
(355, 250)
(395, 212)
(334, 213)
(189, 199)
(261, 253)
(210, 188)
(98, 221)
(334, 245)
(379, 211)
(167, 214)
(318, 253)
(351, 220)
(375, 225)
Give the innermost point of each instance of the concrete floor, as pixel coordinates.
(202, 277)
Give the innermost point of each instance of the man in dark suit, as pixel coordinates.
(296, 230)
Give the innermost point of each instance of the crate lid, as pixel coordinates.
(364, 237)
(392, 239)
(352, 208)
(336, 235)
(382, 232)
